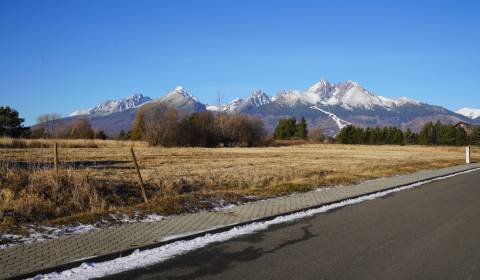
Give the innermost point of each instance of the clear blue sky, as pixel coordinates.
(59, 56)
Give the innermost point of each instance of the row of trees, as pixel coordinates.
(375, 136)
(431, 134)
(159, 124)
(78, 129)
(49, 126)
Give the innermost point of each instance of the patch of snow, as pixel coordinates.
(292, 97)
(79, 113)
(257, 99)
(340, 123)
(152, 218)
(234, 106)
(41, 233)
(405, 100)
(224, 207)
(179, 90)
(469, 112)
(213, 108)
(148, 257)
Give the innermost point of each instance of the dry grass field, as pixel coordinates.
(98, 177)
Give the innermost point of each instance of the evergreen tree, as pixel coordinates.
(346, 135)
(396, 136)
(121, 135)
(302, 131)
(427, 135)
(410, 138)
(476, 135)
(460, 137)
(286, 129)
(446, 135)
(10, 123)
(100, 135)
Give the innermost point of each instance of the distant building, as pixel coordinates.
(467, 127)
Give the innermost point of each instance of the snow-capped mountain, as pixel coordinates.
(469, 113)
(256, 99)
(114, 106)
(330, 106)
(181, 99)
(350, 95)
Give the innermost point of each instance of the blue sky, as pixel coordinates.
(59, 56)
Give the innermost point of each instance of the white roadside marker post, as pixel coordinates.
(468, 156)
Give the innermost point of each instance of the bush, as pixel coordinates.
(242, 131)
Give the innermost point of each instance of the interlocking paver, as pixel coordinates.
(29, 258)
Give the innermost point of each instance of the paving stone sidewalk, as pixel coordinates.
(70, 251)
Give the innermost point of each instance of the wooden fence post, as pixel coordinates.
(140, 180)
(55, 158)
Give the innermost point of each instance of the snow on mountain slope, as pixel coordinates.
(323, 88)
(340, 123)
(349, 95)
(181, 99)
(179, 94)
(292, 97)
(234, 106)
(256, 99)
(113, 106)
(469, 112)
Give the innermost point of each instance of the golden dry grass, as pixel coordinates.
(12, 143)
(183, 179)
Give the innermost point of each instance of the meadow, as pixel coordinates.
(97, 177)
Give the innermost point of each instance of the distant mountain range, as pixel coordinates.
(113, 106)
(330, 106)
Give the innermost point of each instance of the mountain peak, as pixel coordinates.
(181, 99)
(258, 98)
(323, 87)
(469, 112)
(181, 91)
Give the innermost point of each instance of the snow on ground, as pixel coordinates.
(41, 233)
(340, 123)
(144, 258)
(36, 234)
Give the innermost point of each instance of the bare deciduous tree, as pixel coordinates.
(49, 123)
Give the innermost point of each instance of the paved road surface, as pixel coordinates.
(431, 232)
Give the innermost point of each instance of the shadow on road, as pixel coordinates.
(214, 259)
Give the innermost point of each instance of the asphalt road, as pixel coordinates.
(431, 232)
